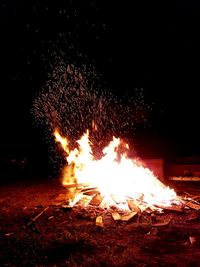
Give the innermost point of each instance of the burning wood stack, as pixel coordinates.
(115, 183)
(90, 198)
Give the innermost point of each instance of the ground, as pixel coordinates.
(69, 237)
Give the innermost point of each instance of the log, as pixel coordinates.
(192, 205)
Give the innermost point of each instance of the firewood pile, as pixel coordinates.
(90, 198)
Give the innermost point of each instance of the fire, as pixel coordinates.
(115, 176)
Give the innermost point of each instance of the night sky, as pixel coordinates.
(133, 44)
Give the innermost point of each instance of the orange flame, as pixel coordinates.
(63, 141)
(114, 175)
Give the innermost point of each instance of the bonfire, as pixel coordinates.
(114, 180)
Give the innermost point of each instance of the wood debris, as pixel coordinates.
(133, 206)
(196, 198)
(77, 186)
(96, 200)
(104, 204)
(116, 216)
(9, 234)
(184, 178)
(129, 216)
(90, 191)
(60, 199)
(85, 200)
(67, 206)
(76, 198)
(83, 195)
(62, 222)
(162, 223)
(194, 216)
(99, 221)
(192, 239)
(192, 205)
(37, 216)
(153, 231)
(171, 208)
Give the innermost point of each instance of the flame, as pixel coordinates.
(63, 141)
(115, 175)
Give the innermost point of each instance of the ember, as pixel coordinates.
(114, 180)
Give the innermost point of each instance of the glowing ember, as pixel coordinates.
(116, 177)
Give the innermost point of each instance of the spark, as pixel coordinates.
(73, 100)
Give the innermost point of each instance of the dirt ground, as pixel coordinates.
(69, 237)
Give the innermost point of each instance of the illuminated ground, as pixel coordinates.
(63, 237)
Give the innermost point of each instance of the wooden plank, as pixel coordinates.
(192, 205)
(116, 216)
(99, 221)
(133, 206)
(171, 208)
(129, 216)
(96, 200)
(85, 200)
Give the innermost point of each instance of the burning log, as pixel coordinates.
(196, 198)
(192, 205)
(96, 200)
(133, 206)
(89, 191)
(85, 200)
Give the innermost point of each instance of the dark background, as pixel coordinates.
(134, 44)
